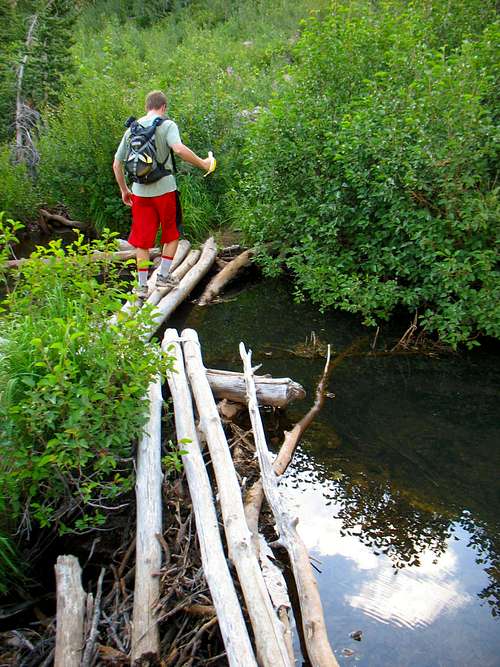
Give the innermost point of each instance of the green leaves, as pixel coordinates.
(379, 188)
(71, 388)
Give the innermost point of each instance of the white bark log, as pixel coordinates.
(190, 261)
(229, 615)
(145, 638)
(180, 255)
(277, 392)
(315, 636)
(271, 648)
(228, 273)
(70, 612)
(170, 302)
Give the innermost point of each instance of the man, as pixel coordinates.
(157, 203)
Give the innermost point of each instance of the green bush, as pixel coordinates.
(71, 389)
(379, 189)
(18, 196)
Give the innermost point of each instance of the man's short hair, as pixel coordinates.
(155, 100)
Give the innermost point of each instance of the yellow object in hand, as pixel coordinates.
(213, 164)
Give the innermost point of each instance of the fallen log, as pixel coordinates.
(176, 296)
(313, 623)
(229, 615)
(183, 248)
(97, 255)
(276, 392)
(159, 292)
(270, 644)
(70, 612)
(73, 224)
(130, 307)
(228, 273)
(145, 636)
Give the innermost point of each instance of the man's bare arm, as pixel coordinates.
(120, 179)
(188, 155)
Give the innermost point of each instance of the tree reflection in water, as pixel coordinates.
(401, 524)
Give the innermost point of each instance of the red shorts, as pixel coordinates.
(148, 213)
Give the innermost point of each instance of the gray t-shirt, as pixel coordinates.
(166, 135)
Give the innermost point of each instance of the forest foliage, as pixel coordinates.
(381, 186)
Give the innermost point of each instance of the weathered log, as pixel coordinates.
(145, 637)
(315, 635)
(98, 255)
(276, 392)
(159, 292)
(228, 273)
(229, 615)
(88, 653)
(129, 307)
(271, 648)
(70, 612)
(74, 224)
(175, 297)
(183, 248)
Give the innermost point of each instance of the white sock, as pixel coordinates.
(143, 277)
(166, 263)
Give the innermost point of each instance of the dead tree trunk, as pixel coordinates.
(145, 638)
(313, 622)
(20, 130)
(70, 612)
(229, 615)
(277, 392)
(271, 648)
(170, 302)
(228, 273)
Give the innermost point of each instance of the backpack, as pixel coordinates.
(141, 162)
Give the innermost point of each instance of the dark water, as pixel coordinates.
(396, 484)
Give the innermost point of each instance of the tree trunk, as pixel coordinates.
(318, 647)
(271, 648)
(129, 307)
(70, 612)
(277, 392)
(228, 273)
(170, 302)
(145, 638)
(158, 293)
(229, 615)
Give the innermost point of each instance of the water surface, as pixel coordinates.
(396, 484)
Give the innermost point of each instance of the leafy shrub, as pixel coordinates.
(72, 389)
(18, 195)
(379, 189)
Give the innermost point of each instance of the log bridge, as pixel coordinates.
(255, 624)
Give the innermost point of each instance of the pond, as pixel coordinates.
(396, 484)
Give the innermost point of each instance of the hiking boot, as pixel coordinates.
(141, 291)
(166, 281)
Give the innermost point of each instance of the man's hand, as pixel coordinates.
(127, 197)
